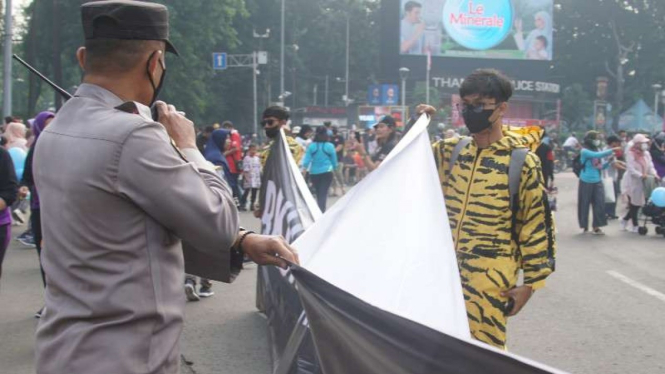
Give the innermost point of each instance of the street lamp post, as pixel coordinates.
(346, 81)
(7, 71)
(327, 90)
(656, 87)
(404, 73)
(281, 57)
(255, 73)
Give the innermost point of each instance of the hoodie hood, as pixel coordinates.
(519, 137)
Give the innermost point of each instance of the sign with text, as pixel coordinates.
(503, 29)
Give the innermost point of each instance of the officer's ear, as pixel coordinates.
(81, 55)
(153, 62)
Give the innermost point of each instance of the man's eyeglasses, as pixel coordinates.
(478, 108)
(267, 122)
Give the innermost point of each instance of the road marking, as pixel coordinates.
(646, 289)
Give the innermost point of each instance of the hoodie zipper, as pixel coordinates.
(466, 198)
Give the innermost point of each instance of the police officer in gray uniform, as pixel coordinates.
(117, 199)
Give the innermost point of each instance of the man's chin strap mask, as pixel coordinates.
(156, 88)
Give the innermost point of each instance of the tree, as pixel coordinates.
(200, 27)
(576, 107)
(623, 38)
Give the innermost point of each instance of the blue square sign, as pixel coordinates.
(219, 61)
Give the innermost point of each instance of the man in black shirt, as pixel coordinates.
(387, 138)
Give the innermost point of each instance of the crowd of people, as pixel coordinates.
(18, 190)
(496, 183)
(616, 172)
(332, 160)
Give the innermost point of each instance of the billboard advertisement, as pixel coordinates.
(390, 94)
(487, 29)
(374, 95)
(384, 94)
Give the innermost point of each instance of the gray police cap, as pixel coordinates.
(126, 19)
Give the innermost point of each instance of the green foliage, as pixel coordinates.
(201, 27)
(586, 47)
(576, 107)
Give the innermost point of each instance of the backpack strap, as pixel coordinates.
(517, 160)
(463, 142)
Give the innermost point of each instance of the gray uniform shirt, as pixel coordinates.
(116, 198)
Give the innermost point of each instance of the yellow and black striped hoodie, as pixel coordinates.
(478, 205)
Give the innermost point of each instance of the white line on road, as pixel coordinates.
(646, 289)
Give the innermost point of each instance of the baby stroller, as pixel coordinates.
(654, 212)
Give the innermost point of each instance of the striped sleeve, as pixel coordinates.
(535, 226)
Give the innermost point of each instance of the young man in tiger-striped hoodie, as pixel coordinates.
(491, 247)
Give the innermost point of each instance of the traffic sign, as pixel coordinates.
(262, 57)
(219, 61)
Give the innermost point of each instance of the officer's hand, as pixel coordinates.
(520, 296)
(269, 250)
(179, 128)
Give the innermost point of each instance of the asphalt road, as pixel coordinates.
(601, 312)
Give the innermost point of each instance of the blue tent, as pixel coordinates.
(640, 118)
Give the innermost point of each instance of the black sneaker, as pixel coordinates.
(206, 291)
(190, 292)
(28, 241)
(27, 233)
(40, 312)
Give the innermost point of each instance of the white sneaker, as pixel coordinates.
(635, 230)
(624, 224)
(18, 216)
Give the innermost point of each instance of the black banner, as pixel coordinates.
(352, 336)
(286, 212)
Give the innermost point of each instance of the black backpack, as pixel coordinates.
(577, 165)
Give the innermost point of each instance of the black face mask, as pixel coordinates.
(272, 132)
(156, 88)
(477, 121)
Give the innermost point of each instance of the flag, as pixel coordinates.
(288, 210)
(381, 289)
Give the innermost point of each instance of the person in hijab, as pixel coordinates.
(218, 143)
(639, 170)
(657, 151)
(543, 22)
(214, 151)
(15, 135)
(28, 184)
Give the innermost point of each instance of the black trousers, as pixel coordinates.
(632, 214)
(36, 221)
(322, 184)
(243, 201)
(5, 236)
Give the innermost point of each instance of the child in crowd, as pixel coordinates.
(251, 171)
